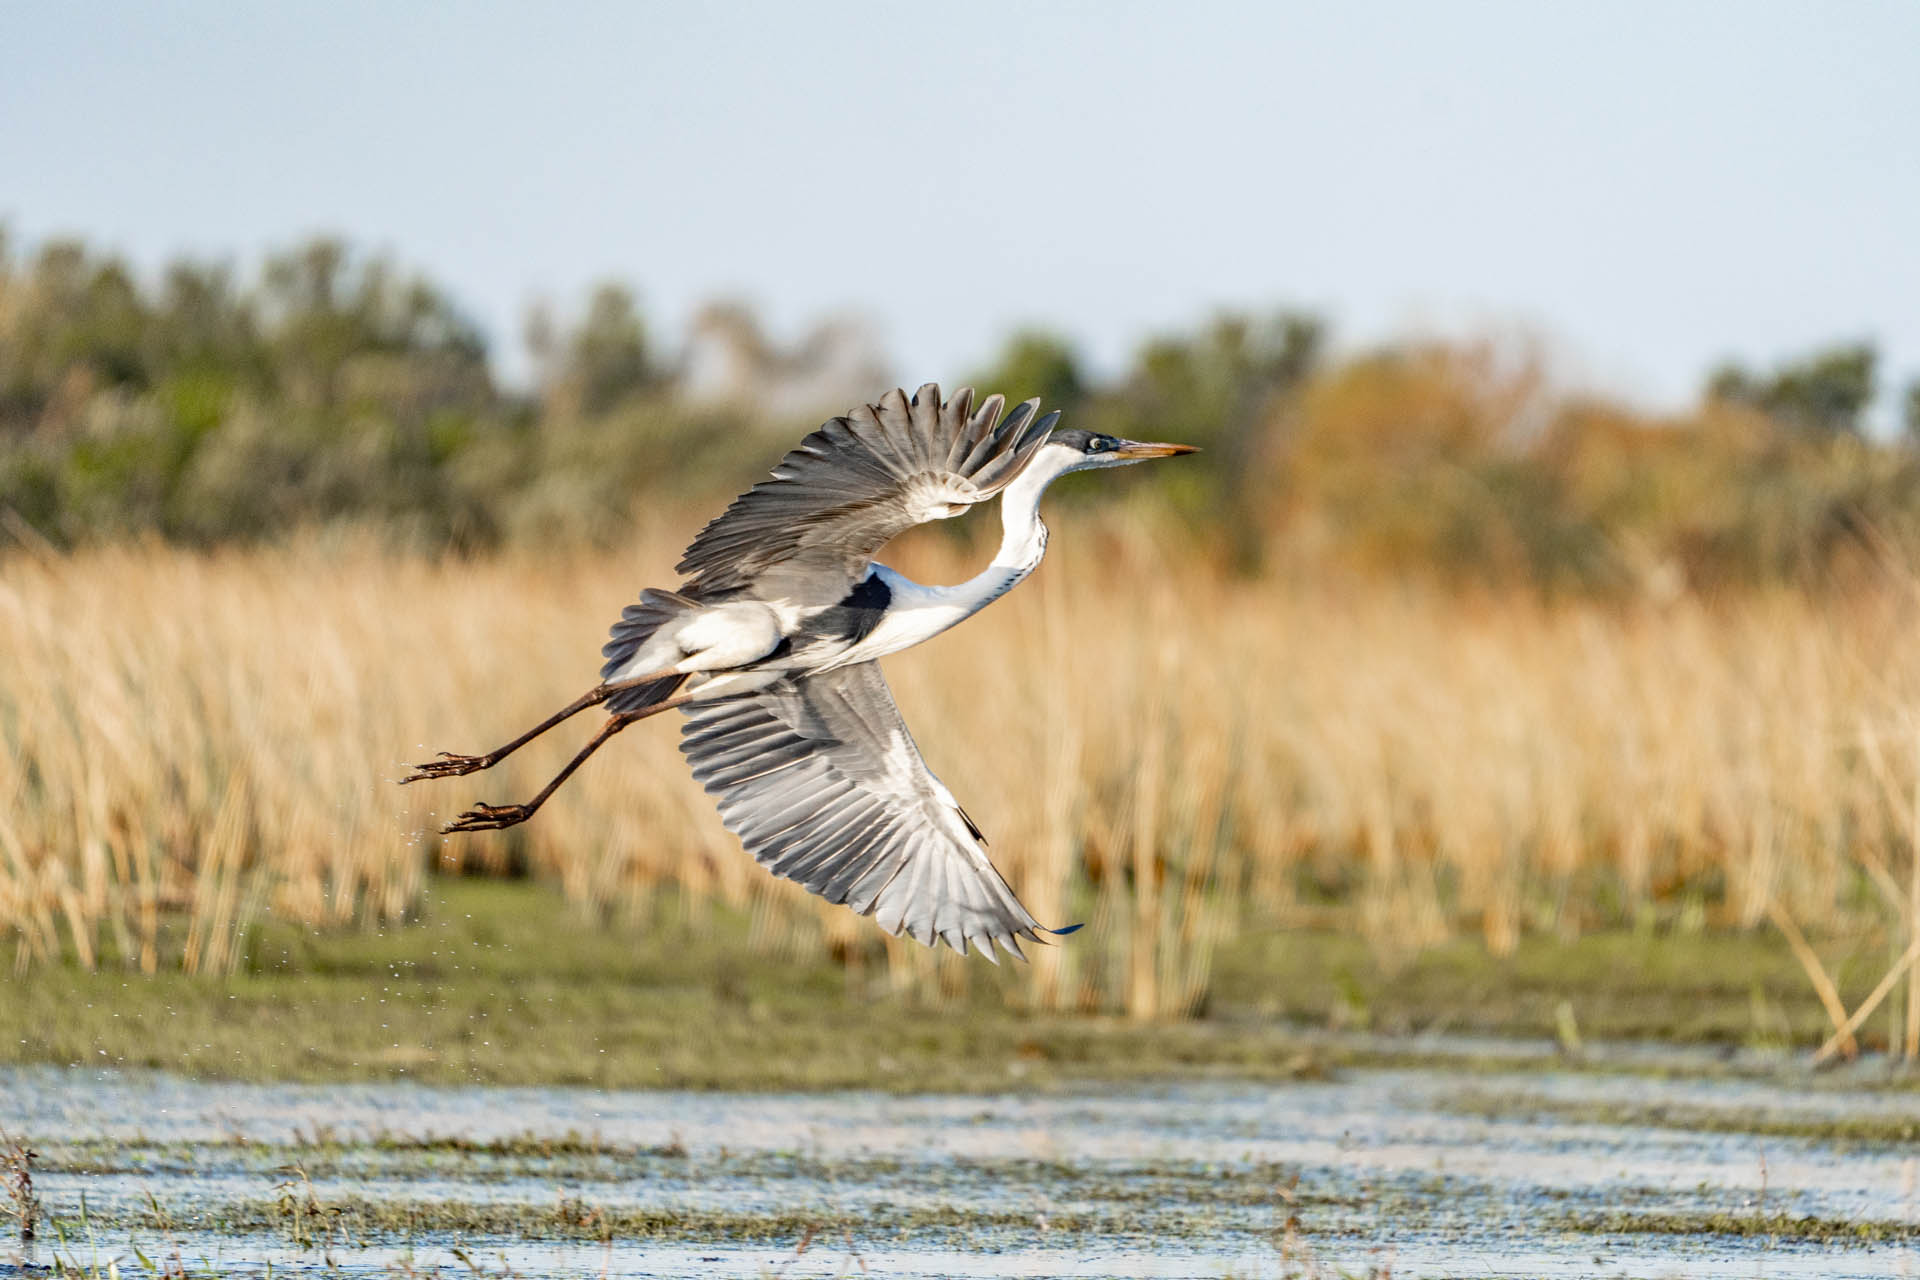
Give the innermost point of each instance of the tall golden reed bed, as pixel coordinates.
(188, 741)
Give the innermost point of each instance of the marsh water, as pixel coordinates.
(1412, 1173)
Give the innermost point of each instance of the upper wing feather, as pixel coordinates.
(810, 531)
(822, 783)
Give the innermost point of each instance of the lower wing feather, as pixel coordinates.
(821, 781)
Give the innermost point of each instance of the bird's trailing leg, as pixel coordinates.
(450, 765)
(494, 817)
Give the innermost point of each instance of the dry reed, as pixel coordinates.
(189, 740)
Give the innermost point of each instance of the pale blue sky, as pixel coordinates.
(1651, 186)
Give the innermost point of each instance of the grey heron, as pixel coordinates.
(770, 649)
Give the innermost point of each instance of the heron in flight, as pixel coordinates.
(771, 648)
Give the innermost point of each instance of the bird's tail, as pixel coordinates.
(638, 623)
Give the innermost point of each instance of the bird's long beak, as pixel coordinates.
(1134, 450)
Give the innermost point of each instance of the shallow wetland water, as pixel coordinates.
(1421, 1173)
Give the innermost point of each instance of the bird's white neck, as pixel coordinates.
(1023, 541)
(920, 612)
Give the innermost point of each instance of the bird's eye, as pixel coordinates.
(1100, 444)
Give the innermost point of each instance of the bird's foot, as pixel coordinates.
(448, 765)
(488, 817)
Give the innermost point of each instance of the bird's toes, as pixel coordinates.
(487, 817)
(448, 765)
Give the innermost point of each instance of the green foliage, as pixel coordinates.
(1214, 388)
(679, 998)
(336, 387)
(1037, 363)
(1229, 389)
(603, 362)
(1823, 392)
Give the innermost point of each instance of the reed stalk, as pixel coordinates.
(188, 740)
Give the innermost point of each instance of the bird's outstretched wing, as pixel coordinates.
(809, 533)
(822, 783)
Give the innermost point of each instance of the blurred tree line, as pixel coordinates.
(335, 387)
(1462, 460)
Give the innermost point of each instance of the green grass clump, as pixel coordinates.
(361, 1218)
(1849, 1130)
(1772, 1226)
(505, 983)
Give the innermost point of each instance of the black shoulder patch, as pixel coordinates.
(855, 617)
(871, 592)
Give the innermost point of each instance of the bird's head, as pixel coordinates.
(1081, 450)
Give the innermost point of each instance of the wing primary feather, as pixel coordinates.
(1016, 452)
(896, 420)
(781, 811)
(954, 414)
(832, 844)
(975, 432)
(928, 425)
(752, 751)
(863, 900)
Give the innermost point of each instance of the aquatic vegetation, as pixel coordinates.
(16, 1177)
(1770, 1226)
(500, 982)
(1350, 1175)
(1841, 1129)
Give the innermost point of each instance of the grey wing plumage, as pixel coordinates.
(810, 531)
(822, 783)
